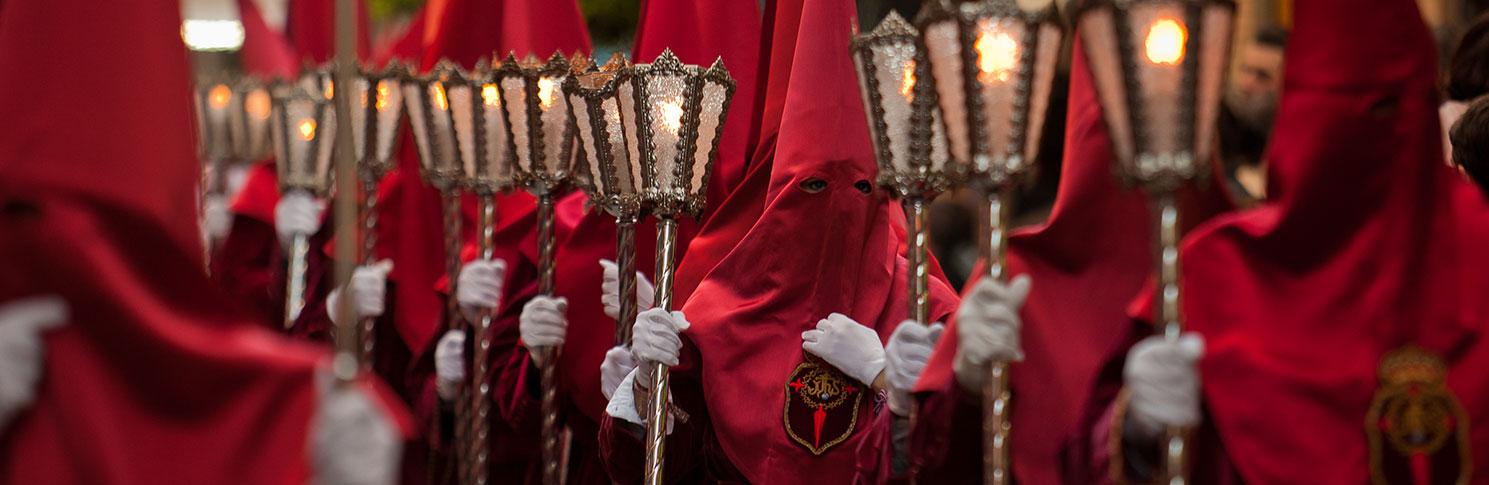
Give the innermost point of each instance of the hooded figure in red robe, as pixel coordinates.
(146, 374)
(1317, 316)
(591, 363)
(778, 371)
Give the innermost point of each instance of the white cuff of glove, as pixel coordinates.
(22, 353)
(1163, 384)
(622, 406)
(845, 344)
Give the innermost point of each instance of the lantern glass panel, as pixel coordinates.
(1099, 32)
(894, 67)
(256, 109)
(553, 110)
(442, 135)
(999, 44)
(713, 105)
(361, 88)
(587, 145)
(462, 123)
(1214, 49)
(1161, 37)
(943, 48)
(666, 93)
(415, 98)
(1046, 56)
(629, 116)
(514, 101)
(217, 101)
(494, 157)
(387, 101)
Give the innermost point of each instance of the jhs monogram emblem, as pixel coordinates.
(821, 406)
(1418, 432)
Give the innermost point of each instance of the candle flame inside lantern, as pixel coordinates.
(440, 103)
(672, 116)
(547, 90)
(256, 103)
(330, 90)
(384, 93)
(490, 95)
(307, 129)
(219, 96)
(907, 80)
(997, 56)
(1165, 42)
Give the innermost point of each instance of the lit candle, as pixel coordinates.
(997, 55)
(256, 103)
(384, 95)
(547, 92)
(1165, 42)
(907, 80)
(490, 95)
(307, 129)
(440, 103)
(219, 96)
(672, 116)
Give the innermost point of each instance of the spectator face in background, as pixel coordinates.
(1258, 82)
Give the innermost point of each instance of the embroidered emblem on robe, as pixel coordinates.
(821, 405)
(1418, 431)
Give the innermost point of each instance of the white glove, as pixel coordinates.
(542, 325)
(618, 362)
(852, 348)
(449, 364)
(298, 213)
(610, 290)
(655, 336)
(369, 287)
(21, 352)
(217, 219)
(909, 348)
(1163, 384)
(987, 329)
(479, 287)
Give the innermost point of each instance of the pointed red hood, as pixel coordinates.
(808, 255)
(310, 26)
(265, 52)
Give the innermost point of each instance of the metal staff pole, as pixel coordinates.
(345, 204)
(656, 417)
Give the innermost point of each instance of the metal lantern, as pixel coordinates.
(302, 154)
(441, 106)
(250, 124)
(993, 65)
(900, 105)
(540, 135)
(615, 184)
(673, 116)
(302, 123)
(215, 103)
(1158, 67)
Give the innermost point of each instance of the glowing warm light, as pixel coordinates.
(384, 92)
(330, 90)
(440, 103)
(490, 95)
(307, 129)
(256, 103)
(1165, 42)
(997, 56)
(547, 91)
(219, 96)
(907, 80)
(672, 116)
